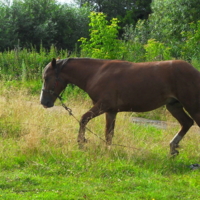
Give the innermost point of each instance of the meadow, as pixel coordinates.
(39, 155)
(40, 158)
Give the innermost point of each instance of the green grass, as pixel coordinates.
(83, 177)
(40, 159)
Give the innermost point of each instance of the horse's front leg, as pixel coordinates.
(93, 112)
(110, 125)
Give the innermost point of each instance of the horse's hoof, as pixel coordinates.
(85, 140)
(174, 153)
(81, 146)
(82, 141)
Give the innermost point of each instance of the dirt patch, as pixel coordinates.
(156, 123)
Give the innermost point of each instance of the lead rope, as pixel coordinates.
(69, 110)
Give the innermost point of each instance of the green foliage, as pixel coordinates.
(103, 42)
(156, 51)
(24, 64)
(170, 24)
(7, 28)
(138, 10)
(170, 18)
(196, 62)
(191, 47)
(138, 33)
(48, 22)
(70, 23)
(132, 51)
(128, 12)
(32, 22)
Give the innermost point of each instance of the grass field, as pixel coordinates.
(40, 159)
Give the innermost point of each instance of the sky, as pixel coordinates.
(65, 1)
(61, 1)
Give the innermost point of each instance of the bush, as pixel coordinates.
(156, 51)
(103, 42)
(191, 47)
(132, 51)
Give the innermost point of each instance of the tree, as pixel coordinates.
(7, 29)
(128, 11)
(32, 22)
(170, 18)
(103, 41)
(70, 24)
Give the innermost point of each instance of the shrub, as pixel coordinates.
(103, 42)
(191, 48)
(156, 51)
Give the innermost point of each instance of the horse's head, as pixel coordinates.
(53, 84)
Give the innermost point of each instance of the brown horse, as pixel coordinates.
(115, 86)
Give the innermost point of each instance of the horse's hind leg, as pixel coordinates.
(110, 124)
(176, 109)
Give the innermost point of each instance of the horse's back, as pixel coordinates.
(146, 71)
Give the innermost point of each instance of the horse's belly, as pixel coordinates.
(140, 104)
(142, 98)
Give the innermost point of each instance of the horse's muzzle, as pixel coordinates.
(47, 104)
(46, 101)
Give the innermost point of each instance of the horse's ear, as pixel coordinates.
(53, 63)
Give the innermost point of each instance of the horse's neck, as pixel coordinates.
(80, 71)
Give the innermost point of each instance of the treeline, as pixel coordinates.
(27, 23)
(34, 22)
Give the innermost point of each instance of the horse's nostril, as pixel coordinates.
(47, 104)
